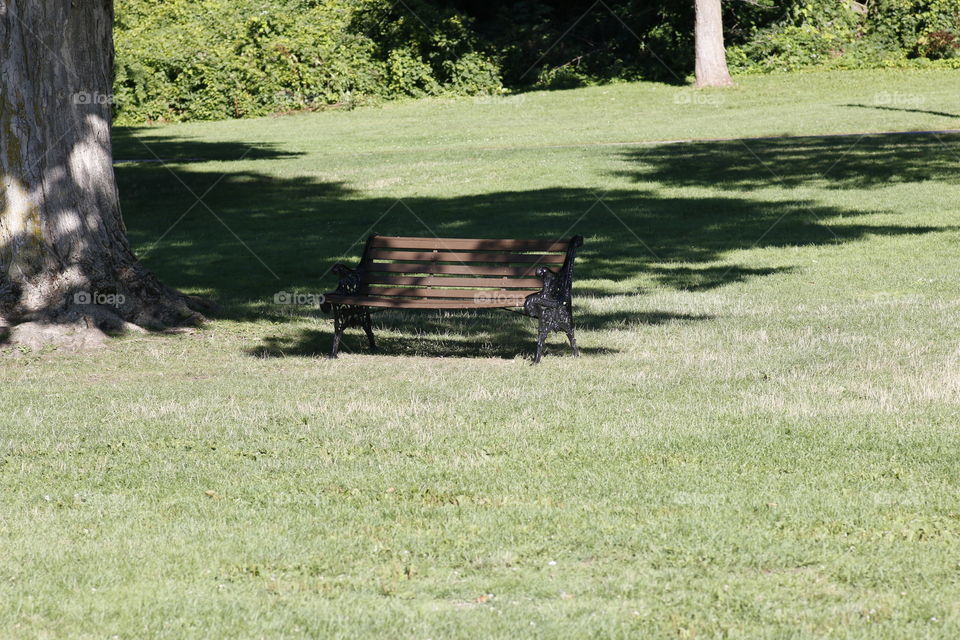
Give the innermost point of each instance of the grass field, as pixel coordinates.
(760, 440)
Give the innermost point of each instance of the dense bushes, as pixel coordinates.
(209, 59)
(842, 34)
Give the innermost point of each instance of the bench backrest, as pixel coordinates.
(456, 272)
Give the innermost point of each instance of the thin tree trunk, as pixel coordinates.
(64, 253)
(711, 56)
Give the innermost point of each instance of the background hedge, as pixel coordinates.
(213, 59)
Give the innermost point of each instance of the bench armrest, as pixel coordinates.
(349, 278)
(349, 285)
(550, 297)
(557, 288)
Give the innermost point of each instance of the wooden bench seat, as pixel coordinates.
(457, 273)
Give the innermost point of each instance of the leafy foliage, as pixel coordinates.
(882, 33)
(212, 59)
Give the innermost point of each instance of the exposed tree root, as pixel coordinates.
(50, 314)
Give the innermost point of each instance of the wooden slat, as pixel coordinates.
(467, 244)
(459, 283)
(453, 269)
(467, 258)
(408, 303)
(415, 292)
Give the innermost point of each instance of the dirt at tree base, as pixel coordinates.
(40, 337)
(82, 328)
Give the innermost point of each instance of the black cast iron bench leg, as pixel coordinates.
(368, 329)
(559, 319)
(343, 318)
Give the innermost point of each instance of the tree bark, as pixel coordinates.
(711, 56)
(64, 254)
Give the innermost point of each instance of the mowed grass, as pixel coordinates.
(760, 440)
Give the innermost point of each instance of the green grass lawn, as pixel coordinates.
(760, 440)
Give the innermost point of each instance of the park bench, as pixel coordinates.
(457, 273)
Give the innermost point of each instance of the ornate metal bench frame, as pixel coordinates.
(552, 305)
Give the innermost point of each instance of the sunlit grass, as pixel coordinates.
(759, 441)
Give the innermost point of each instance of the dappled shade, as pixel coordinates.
(837, 162)
(263, 234)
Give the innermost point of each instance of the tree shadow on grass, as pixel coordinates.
(945, 114)
(314, 343)
(137, 145)
(256, 234)
(263, 235)
(822, 161)
(486, 334)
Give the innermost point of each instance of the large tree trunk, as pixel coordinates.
(64, 254)
(711, 56)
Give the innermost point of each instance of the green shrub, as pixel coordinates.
(213, 59)
(938, 45)
(472, 74)
(562, 77)
(904, 22)
(833, 34)
(408, 74)
(428, 49)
